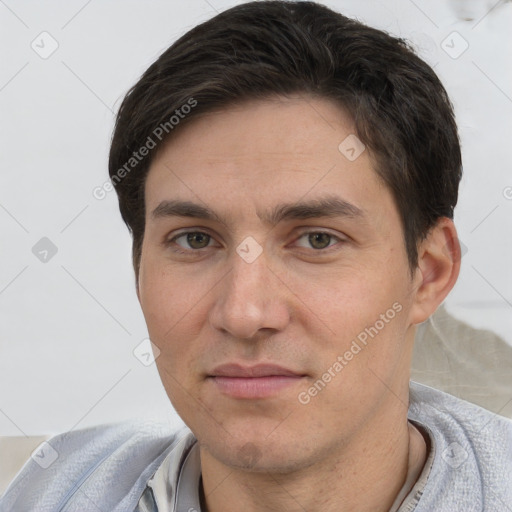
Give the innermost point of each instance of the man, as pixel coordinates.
(289, 178)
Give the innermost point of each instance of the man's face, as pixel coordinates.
(250, 258)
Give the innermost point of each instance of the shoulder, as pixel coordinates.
(472, 464)
(106, 464)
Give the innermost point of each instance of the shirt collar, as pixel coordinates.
(175, 484)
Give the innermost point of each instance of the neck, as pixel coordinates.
(365, 475)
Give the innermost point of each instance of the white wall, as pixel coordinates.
(68, 326)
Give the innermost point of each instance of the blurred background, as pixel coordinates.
(72, 336)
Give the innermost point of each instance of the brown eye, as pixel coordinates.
(319, 240)
(191, 240)
(198, 240)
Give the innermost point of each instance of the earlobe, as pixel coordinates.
(438, 269)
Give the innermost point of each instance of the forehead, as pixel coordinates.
(255, 155)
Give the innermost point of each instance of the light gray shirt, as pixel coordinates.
(148, 467)
(467, 467)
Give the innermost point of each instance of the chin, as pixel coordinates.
(261, 455)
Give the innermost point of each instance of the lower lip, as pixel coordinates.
(254, 387)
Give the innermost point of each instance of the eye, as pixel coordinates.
(196, 240)
(192, 240)
(317, 240)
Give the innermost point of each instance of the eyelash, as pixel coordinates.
(176, 248)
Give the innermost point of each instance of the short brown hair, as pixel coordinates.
(401, 110)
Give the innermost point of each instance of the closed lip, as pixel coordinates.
(259, 370)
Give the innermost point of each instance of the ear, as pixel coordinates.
(437, 271)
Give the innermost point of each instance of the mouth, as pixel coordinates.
(253, 382)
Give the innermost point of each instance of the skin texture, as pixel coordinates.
(298, 306)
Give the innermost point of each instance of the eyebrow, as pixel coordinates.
(331, 206)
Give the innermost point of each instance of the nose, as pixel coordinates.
(250, 300)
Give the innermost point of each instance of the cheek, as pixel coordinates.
(165, 294)
(174, 310)
(174, 315)
(343, 302)
(365, 308)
